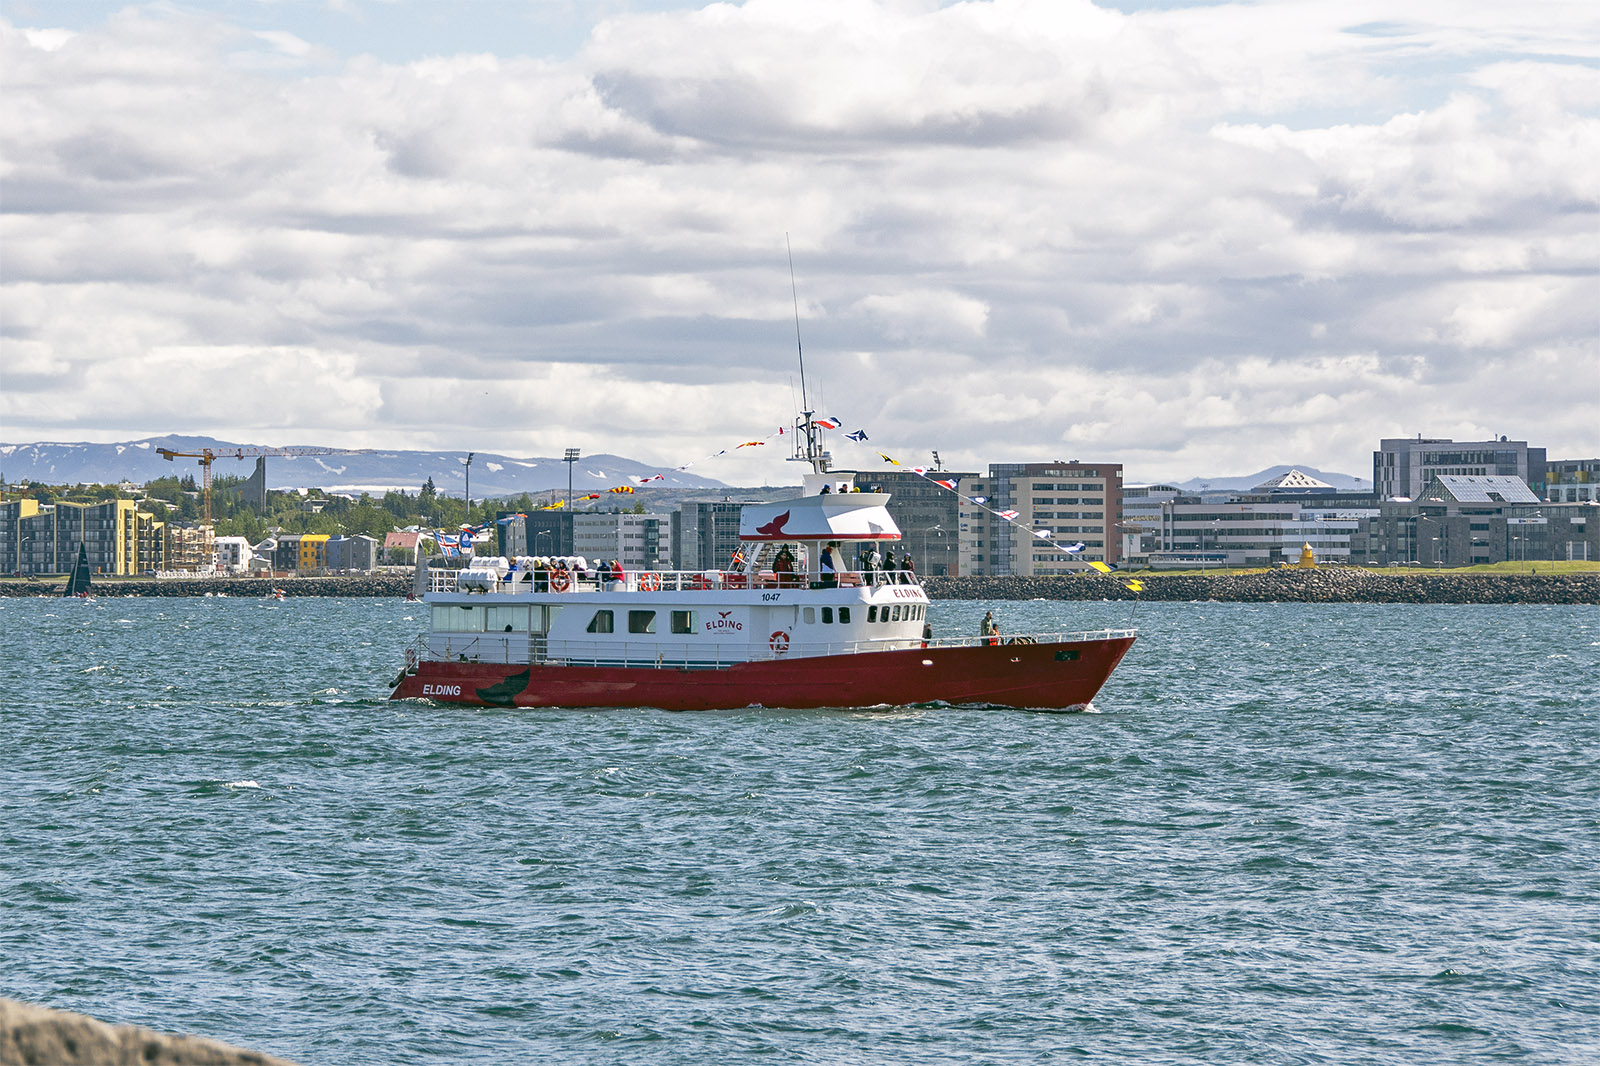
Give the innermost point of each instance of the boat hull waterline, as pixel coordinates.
(1056, 676)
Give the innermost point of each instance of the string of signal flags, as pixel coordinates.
(860, 437)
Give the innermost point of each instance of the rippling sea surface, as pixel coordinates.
(1285, 834)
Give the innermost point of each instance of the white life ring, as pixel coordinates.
(650, 582)
(560, 581)
(779, 643)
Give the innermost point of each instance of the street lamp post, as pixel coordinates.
(1417, 540)
(927, 566)
(469, 488)
(570, 458)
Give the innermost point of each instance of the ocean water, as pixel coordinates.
(1284, 834)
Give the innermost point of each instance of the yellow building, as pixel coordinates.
(313, 552)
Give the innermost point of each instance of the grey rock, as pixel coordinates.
(38, 1036)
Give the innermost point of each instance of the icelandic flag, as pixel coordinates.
(1008, 515)
(858, 436)
(827, 423)
(1078, 547)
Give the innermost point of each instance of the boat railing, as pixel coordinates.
(521, 649)
(522, 581)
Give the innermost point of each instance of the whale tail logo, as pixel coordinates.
(774, 528)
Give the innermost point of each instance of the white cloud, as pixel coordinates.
(1203, 240)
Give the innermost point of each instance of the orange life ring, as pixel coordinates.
(650, 582)
(560, 581)
(779, 642)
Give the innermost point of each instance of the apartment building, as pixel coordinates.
(1074, 502)
(1572, 481)
(637, 541)
(40, 538)
(705, 535)
(928, 514)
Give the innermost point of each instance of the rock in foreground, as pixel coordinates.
(38, 1036)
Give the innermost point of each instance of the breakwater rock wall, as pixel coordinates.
(1322, 585)
(32, 1035)
(244, 587)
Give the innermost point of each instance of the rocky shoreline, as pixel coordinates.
(1322, 585)
(1334, 584)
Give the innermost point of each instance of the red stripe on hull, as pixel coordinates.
(1011, 675)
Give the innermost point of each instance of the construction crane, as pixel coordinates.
(206, 456)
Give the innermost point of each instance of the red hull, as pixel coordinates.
(1010, 675)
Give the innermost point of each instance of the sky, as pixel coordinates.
(1195, 239)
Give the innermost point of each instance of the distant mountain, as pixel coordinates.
(1343, 482)
(492, 474)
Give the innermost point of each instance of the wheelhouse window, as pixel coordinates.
(808, 615)
(641, 621)
(872, 614)
(683, 621)
(827, 616)
(507, 619)
(844, 615)
(601, 622)
(458, 618)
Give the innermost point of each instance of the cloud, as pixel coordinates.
(1201, 240)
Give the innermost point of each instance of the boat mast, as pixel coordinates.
(805, 426)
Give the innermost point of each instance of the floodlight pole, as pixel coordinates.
(468, 519)
(570, 458)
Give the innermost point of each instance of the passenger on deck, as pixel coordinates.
(889, 568)
(783, 568)
(989, 629)
(908, 569)
(541, 576)
(832, 563)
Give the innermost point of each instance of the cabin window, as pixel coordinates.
(507, 620)
(457, 618)
(808, 615)
(601, 622)
(683, 621)
(641, 621)
(872, 614)
(827, 616)
(844, 615)
(549, 618)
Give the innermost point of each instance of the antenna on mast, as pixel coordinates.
(806, 423)
(800, 351)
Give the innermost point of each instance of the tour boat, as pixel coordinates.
(784, 626)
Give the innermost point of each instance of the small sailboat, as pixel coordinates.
(78, 580)
(419, 578)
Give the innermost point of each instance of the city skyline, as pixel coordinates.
(1176, 236)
